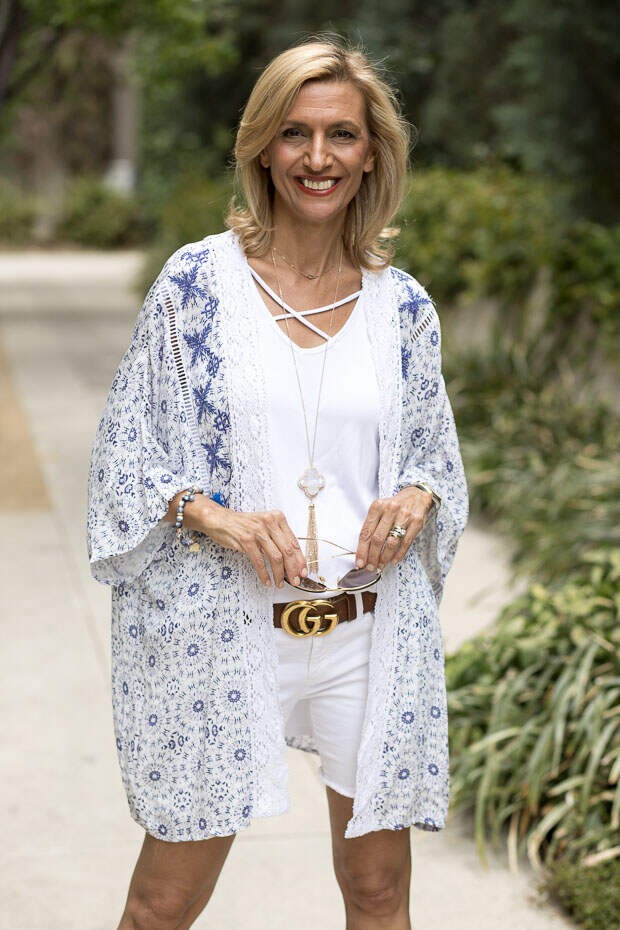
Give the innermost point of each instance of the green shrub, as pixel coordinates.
(17, 214)
(585, 285)
(495, 233)
(194, 209)
(534, 722)
(590, 895)
(472, 234)
(541, 454)
(95, 215)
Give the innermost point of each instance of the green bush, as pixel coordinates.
(534, 722)
(585, 286)
(495, 233)
(95, 215)
(541, 454)
(472, 234)
(590, 895)
(17, 214)
(194, 209)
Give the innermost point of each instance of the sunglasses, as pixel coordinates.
(353, 579)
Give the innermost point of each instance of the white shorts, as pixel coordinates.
(330, 674)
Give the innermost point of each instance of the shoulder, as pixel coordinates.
(416, 306)
(187, 276)
(195, 258)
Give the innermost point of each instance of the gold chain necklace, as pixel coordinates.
(311, 277)
(311, 481)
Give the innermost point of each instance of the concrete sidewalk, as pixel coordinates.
(65, 320)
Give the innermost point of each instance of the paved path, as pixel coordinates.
(65, 320)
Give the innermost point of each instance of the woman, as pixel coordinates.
(301, 439)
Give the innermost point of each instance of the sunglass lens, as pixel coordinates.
(357, 577)
(309, 584)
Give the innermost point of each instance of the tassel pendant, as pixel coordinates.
(311, 483)
(312, 546)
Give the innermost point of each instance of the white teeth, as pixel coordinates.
(318, 185)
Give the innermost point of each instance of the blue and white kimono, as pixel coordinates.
(200, 735)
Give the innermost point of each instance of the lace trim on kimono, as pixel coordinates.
(190, 411)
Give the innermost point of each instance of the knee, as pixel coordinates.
(155, 909)
(379, 893)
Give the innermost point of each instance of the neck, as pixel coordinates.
(311, 247)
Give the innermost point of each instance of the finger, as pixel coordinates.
(414, 527)
(288, 549)
(370, 523)
(294, 559)
(380, 534)
(280, 547)
(252, 550)
(392, 543)
(275, 557)
(403, 544)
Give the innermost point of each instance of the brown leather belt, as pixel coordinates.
(317, 617)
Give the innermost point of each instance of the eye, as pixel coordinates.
(346, 132)
(290, 129)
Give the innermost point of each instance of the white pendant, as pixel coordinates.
(311, 481)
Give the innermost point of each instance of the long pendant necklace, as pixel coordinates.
(311, 481)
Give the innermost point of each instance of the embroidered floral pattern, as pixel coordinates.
(200, 736)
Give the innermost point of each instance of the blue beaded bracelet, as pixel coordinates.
(189, 495)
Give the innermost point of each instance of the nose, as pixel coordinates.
(315, 159)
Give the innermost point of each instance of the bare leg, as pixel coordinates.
(373, 871)
(172, 882)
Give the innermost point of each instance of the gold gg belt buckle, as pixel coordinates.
(304, 618)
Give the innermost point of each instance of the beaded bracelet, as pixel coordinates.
(192, 542)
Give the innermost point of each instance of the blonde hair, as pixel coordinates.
(381, 190)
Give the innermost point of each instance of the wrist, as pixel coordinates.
(204, 515)
(426, 496)
(197, 514)
(434, 498)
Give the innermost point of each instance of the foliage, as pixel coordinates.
(534, 723)
(541, 453)
(194, 209)
(525, 84)
(591, 895)
(480, 233)
(585, 285)
(17, 214)
(95, 215)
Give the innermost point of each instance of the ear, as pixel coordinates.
(369, 164)
(264, 159)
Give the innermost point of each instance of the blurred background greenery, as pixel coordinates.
(117, 124)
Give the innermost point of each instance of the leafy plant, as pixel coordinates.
(17, 214)
(194, 209)
(534, 712)
(95, 215)
(590, 895)
(541, 453)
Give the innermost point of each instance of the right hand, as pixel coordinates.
(260, 534)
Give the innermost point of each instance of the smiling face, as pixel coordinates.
(320, 151)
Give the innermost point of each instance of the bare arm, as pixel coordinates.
(259, 535)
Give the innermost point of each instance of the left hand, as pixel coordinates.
(408, 509)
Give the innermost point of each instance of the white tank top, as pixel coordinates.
(347, 439)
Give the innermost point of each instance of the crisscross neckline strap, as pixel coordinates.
(298, 314)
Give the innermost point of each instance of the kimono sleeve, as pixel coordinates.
(431, 454)
(140, 458)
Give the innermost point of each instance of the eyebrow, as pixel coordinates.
(338, 122)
